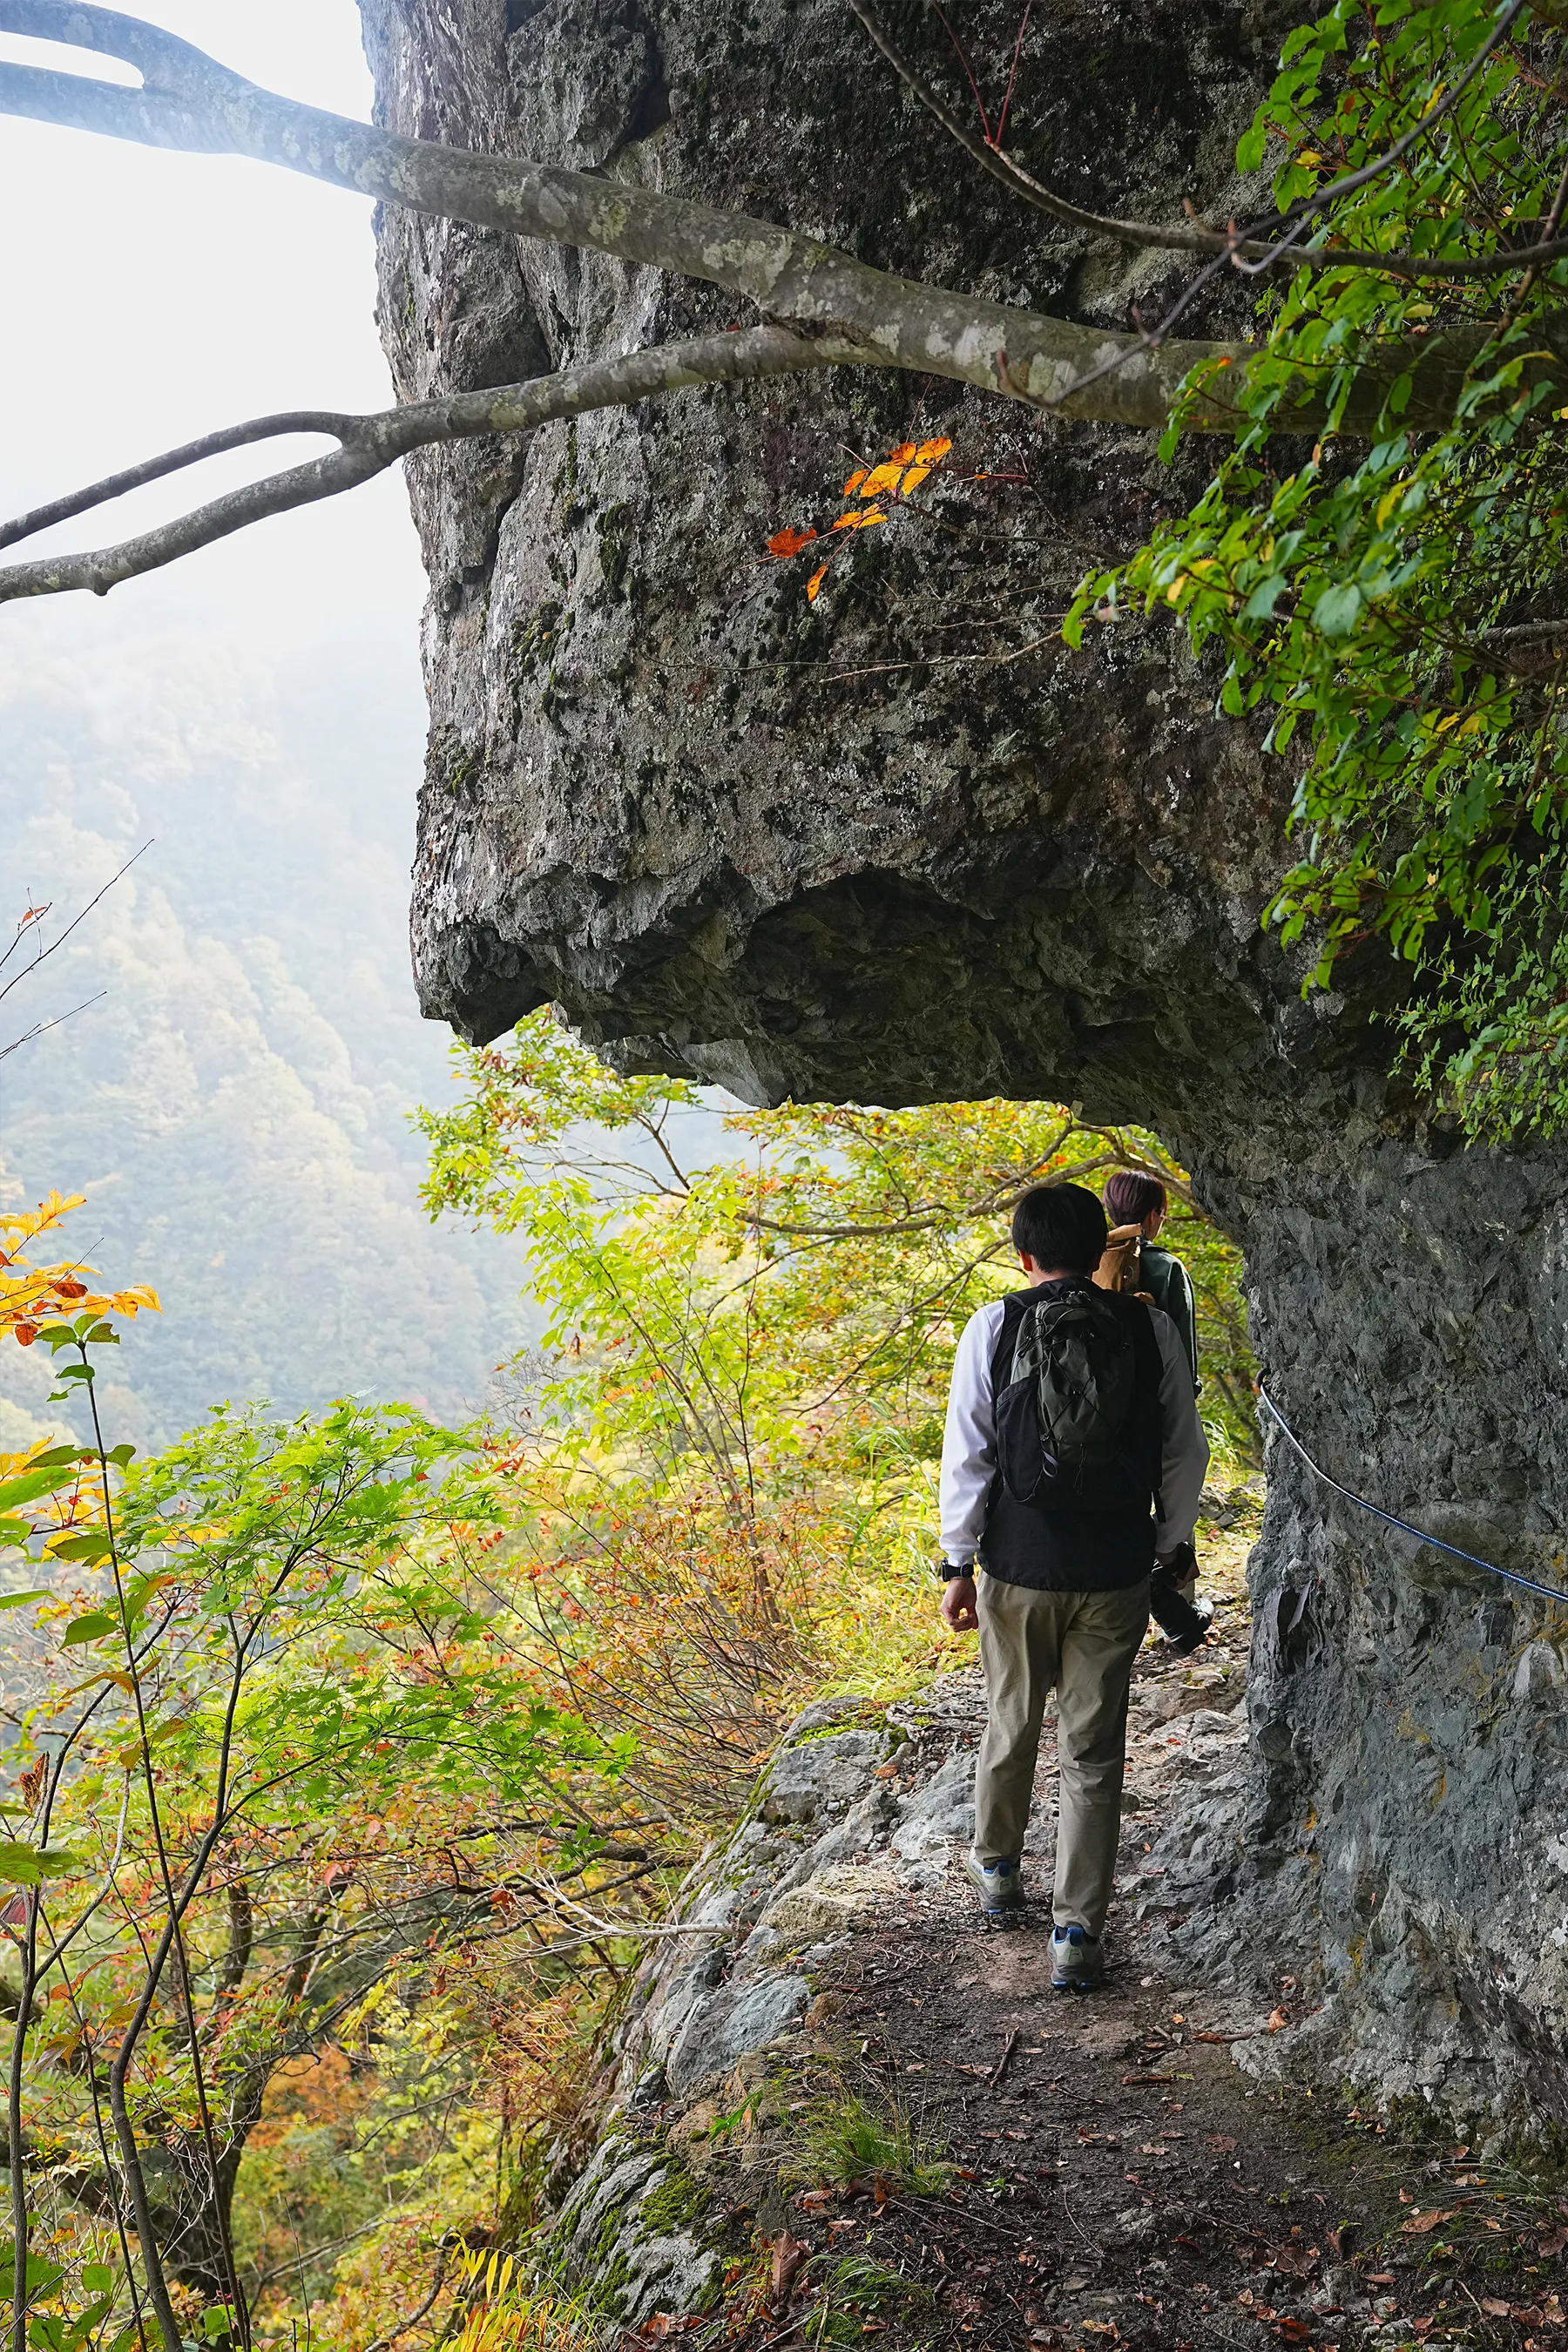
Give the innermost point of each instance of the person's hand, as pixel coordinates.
(959, 1612)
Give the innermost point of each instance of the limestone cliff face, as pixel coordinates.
(900, 844)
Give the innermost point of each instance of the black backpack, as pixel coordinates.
(1063, 1439)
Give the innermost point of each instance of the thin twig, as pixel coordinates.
(1006, 2059)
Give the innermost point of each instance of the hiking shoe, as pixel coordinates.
(999, 1884)
(1078, 1960)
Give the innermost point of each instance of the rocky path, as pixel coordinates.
(898, 2133)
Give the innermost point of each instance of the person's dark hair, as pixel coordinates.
(1060, 1225)
(1129, 1198)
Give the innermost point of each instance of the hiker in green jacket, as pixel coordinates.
(1141, 1200)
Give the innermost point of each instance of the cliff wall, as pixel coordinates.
(900, 844)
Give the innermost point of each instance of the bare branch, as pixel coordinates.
(190, 102)
(157, 469)
(368, 445)
(79, 917)
(824, 309)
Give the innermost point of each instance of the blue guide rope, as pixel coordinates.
(1548, 1591)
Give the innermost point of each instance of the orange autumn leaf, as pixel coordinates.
(813, 584)
(929, 451)
(861, 518)
(1419, 2224)
(790, 542)
(883, 478)
(853, 484)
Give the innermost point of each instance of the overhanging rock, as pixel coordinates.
(898, 845)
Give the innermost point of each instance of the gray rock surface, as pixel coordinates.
(632, 2234)
(733, 2023)
(821, 1777)
(783, 847)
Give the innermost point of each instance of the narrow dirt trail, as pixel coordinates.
(1114, 2175)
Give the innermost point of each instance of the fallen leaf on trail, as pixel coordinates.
(1294, 2261)
(788, 2255)
(1277, 2021)
(1495, 2309)
(1420, 2223)
(1293, 2331)
(1222, 2143)
(1406, 2198)
(790, 542)
(1554, 2242)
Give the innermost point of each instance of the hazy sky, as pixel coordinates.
(236, 1106)
(159, 296)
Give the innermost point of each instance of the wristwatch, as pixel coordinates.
(947, 1569)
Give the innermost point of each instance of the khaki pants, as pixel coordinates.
(1082, 1645)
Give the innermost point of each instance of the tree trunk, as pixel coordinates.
(899, 845)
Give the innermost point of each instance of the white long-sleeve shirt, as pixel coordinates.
(969, 1444)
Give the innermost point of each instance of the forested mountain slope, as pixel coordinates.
(235, 1103)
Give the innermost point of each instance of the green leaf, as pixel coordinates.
(1337, 611)
(94, 1546)
(91, 1628)
(42, 1478)
(1259, 605)
(20, 1600)
(1251, 148)
(26, 1865)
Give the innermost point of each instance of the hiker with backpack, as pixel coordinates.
(1134, 1260)
(1073, 1458)
(1139, 1202)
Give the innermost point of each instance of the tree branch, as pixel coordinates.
(824, 309)
(368, 445)
(191, 103)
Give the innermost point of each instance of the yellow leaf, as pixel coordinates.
(815, 584)
(882, 479)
